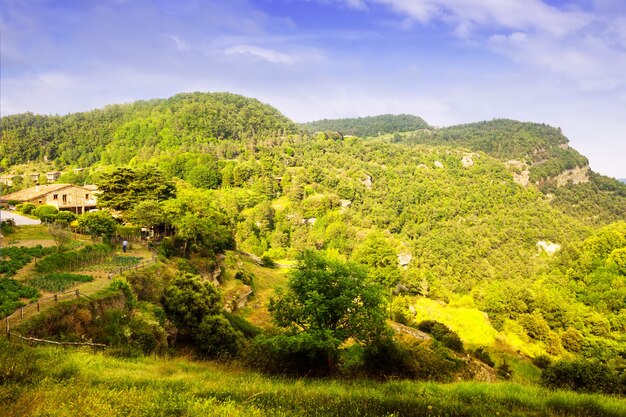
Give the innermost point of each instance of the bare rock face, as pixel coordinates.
(438, 164)
(548, 247)
(468, 160)
(404, 259)
(367, 182)
(579, 175)
(521, 174)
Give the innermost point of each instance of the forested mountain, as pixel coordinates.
(118, 132)
(368, 126)
(544, 261)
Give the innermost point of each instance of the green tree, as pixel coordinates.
(98, 223)
(330, 301)
(188, 300)
(125, 187)
(376, 253)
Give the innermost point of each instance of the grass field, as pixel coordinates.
(55, 382)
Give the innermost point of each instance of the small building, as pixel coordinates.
(67, 197)
(52, 176)
(7, 180)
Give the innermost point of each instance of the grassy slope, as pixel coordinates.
(68, 383)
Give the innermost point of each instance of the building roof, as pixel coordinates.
(35, 192)
(91, 187)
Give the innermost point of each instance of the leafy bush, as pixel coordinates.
(300, 355)
(46, 213)
(242, 325)
(583, 376)
(58, 281)
(542, 361)
(504, 371)
(216, 338)
(26, 208)
(482, 355)
(442, 333)
(188, 300)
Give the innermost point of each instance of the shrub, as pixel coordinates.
(583, 376)
(242, 325)
(482, 355)
(504, 371)
(65, 217)
(289, 355)
(46, 213)
(26, 208)
(442, 333)
(542, 361)
(216, 338)
(187, 300)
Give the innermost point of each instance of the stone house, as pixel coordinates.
(68, 197)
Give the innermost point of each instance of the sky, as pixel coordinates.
(449, 61)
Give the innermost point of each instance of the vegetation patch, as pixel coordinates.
(57, 282)
(11, 294)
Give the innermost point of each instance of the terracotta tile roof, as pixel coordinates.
(34, 192)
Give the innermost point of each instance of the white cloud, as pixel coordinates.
(265, 54)
(179, 43)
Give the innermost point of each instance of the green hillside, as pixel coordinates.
(433, 224)
(117, 133)
(368, 126)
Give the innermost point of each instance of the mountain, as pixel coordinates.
(542, 257)
(622, 180)
(117, 133)
(368, 126)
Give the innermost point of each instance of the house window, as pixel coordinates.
(86, 196)
(65, 198)
(55, 196)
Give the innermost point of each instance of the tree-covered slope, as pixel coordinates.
(117, 133)
(368, 126)
(544, 148)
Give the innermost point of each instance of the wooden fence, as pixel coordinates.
(43, 303)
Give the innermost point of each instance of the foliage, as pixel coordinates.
(482, 355)
(58, 282)
(583, 376)
(46, 213)
(65, 261)
(11, 292)
(216, 338)
(98, 223)
(539, 144)
(187, 300)
(442, 333)
(369, 126)
(13, 258)
(330, 302)
(125, 187)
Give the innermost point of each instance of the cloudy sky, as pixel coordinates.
(449, 61)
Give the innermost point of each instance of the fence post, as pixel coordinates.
(21, 312)
(77, 293)
(8, 329)
(56, 298)
(37, 305)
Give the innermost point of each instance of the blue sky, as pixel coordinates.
(448, 61)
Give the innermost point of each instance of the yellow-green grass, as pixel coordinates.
(265, 282)
(69, 383)
(30, 232)
(475, 330)
(471, 324)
